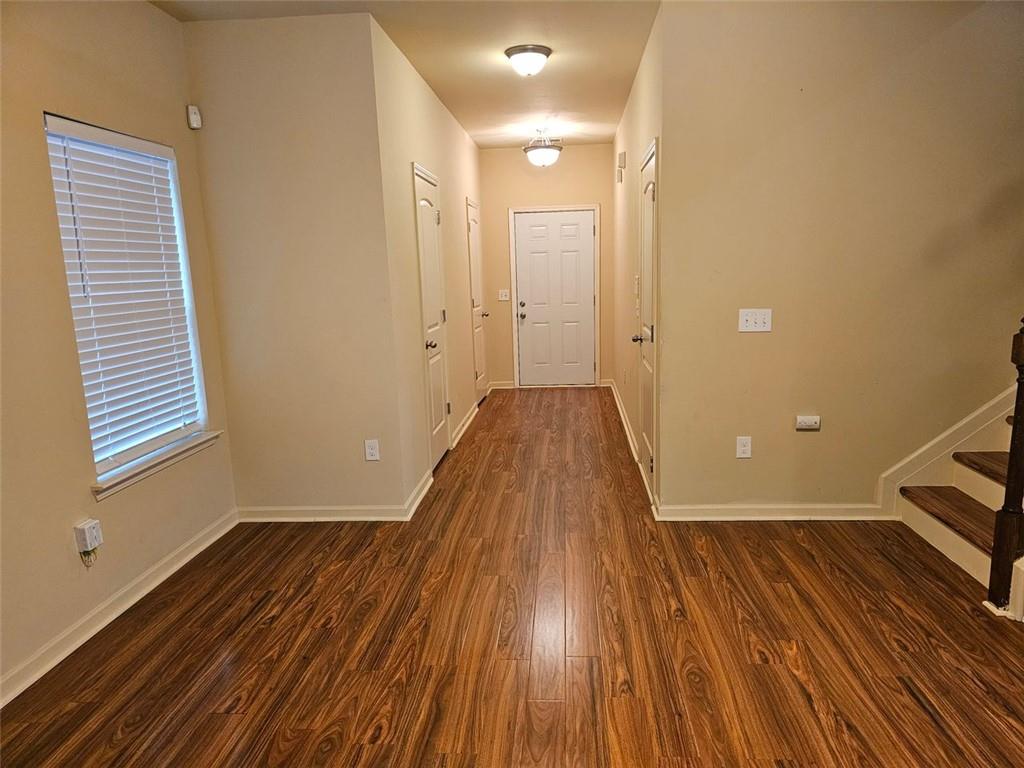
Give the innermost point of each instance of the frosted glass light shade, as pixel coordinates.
(543, 156)
(528, 60)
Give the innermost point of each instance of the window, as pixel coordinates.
(127, 273)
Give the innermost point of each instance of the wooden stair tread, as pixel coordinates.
(964, 514)
(991, 464)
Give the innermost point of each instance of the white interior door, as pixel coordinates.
(476, 290)
(428, 228)
(555, 299)
(648, 296)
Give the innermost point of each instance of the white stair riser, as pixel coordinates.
(944, 539)
(975, 484)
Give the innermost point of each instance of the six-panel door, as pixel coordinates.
(555, 308)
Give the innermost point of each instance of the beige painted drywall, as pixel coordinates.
(859, 169)
(120, 66)
(639, 127)
(582, 176)
(291, 179)
(414, 126)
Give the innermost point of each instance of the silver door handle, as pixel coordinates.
(431, 345)
(485, 314)
(522, 315)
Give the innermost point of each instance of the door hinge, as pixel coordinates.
(448, 407)
(595, 230)
(652, 465)
(654, 193)
(652, 333)
(444, 315)
(438, 215)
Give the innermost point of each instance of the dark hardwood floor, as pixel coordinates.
(533, 613)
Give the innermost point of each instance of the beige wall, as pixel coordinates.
(291, 177)
(859, 169)
(583, 175)
(414, 126)
(120, 66)
(639, 127)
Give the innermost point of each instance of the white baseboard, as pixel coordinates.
(939, 449)
(762, 512)
(464, 425)
(57, 649)
(500, 385)
(364, 513)
(623, 418)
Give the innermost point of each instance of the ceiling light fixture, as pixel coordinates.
(528, 60)
(543, 151)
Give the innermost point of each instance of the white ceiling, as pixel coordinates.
(458, 49)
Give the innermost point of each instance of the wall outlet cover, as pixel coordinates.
(744, 447)
(88, 535)
(808, 423)
(372, 449)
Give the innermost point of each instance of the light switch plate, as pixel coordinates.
(503, 294)
(755, 320)
(744, 447)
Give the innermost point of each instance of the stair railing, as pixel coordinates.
(1008, 542)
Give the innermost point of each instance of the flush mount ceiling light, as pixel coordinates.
(543, 151)
(528, 60)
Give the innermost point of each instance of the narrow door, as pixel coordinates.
(555, 299)
(476, 290)
(428, 225)
(648, 297)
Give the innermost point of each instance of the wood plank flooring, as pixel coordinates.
(533, 614)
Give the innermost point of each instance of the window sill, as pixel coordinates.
(122, 477)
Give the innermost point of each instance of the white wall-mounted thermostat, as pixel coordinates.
(195, 117)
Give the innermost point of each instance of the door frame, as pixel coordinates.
(473, 203)
(652, 151)
(514, 294)
(422, 172)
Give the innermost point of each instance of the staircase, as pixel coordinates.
(981, 511)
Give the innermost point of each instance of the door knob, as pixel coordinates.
(522, 315)
(431, 345)
(485, 314)
(638, 339)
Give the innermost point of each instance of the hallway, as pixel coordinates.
(533, 613)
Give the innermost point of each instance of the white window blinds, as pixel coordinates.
(127, 272)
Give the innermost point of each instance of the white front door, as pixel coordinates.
(428, 230)
(648, 297)
(555, 299)
(476, 290)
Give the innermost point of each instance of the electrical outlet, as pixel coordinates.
(372, 449)
(744, 446)
(503, 294)
(755, 320)
(88, 535)
(808, 423)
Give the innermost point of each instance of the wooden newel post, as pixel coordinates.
(1008, 544)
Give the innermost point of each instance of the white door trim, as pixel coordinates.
(653, 486)
(420, 171)
(514, 297)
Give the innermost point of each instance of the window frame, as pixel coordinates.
(142, 459)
